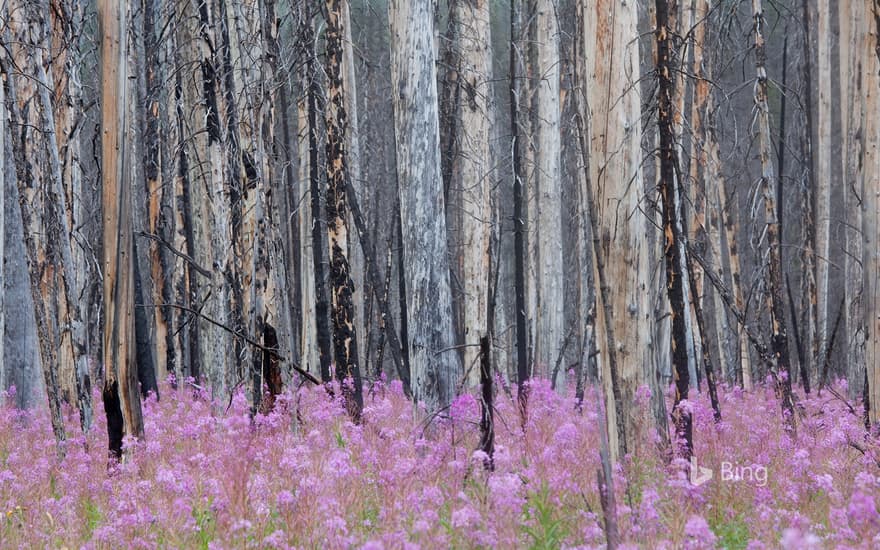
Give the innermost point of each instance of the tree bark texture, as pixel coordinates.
(611, 66)
(121, 394)
(776, 303)
(345, 345)
(436, 367)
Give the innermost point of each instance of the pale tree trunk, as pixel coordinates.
(545, 194)
(276, 321)
(822, 161)
(776, 304)
(852, 35)
(251, 135)
(345, 344)
(308, 317)
(625, 320)
(729, 219)
(436, 367)
(871, 208)
(184, 341)
(470, 180)
(707, 176)
(211, 197)
(121, 395)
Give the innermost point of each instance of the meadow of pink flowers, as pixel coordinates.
(304, 476)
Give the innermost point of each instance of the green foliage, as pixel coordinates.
(206, 523)
(548, 529)
(732, 534)
(93, 516)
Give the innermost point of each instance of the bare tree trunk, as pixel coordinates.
(852, 34)
(516, 73)
(3, 140)
(308, 340)
(809, 289)
(44, 213)
(342, 286)
(319, 244)
(471, 170)
(357, 258)
(673, 226)
(121, 395)
(612, 67)
(823, 180)
(776, 302)
(871, 209)
(436, 368)
(545, 194)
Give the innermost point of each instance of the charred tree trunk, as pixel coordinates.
(673, 229)
(319, 244)
(522, 365)
(487, 407)
(342, 286)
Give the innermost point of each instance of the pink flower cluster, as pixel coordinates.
(304, 476)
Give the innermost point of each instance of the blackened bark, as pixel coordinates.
(146, 371)
(522, 366)
(113, 410)
(826, 356)
(487, 419)
(342, 287)
(190, 355)
(672, 225)
(798, 343)
(401, 291)
(271, 368)
(319, 244)
(236, 187)
(380, 291)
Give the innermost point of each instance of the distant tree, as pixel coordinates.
(776, 302)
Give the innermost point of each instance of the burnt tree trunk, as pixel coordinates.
(342, 287)
(673, 225)
(522, 366)
(319, 244)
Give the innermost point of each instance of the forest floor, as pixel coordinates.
(304, 476)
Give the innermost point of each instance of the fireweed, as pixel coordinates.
(209, 476)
